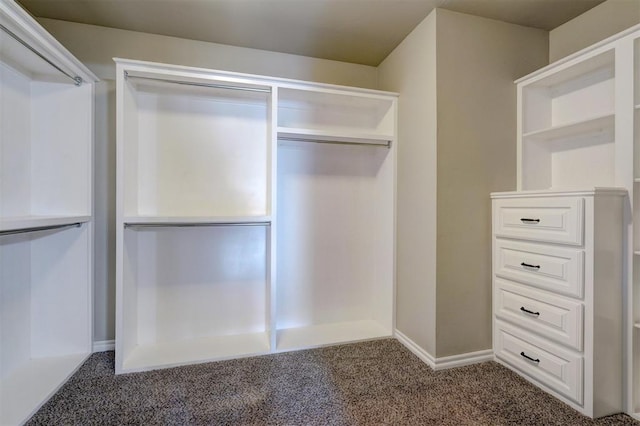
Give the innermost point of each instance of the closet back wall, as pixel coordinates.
(97, 46)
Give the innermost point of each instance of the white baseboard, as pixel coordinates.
(447, 361)
(464, 359)
(104, 345)
(425, 356)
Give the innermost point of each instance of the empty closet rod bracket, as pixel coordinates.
(385, 144)
(193, 225)
(77, 80)
(40, 228)
(194, 83)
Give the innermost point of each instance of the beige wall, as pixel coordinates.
(457, 121)
(96, 46)
(602, 21)
(477, 61)
(411, 70)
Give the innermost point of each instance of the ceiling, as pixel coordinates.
(357, 31)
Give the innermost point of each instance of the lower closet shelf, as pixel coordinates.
(171, 354)
(329, 334)
(26, 388)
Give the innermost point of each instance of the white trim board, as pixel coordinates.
(446, 362)
(104, 345)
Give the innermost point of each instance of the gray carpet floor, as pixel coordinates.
(370, 383)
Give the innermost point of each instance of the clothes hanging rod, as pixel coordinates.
(193, 225)
(193, 83)
(76, 79)
(386, 144)
(40, 228)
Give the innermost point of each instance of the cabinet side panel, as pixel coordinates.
(62, 119)
(60, 310)
(384, 208)
(328, 233)
(128, 331)
(607, 300)
(15, 302)
(15, 147)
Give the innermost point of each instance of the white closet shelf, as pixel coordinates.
(329, 334)
(24, 391)
(205, 349)
(295, 134)
(195, 220)
(591, 125)
(26, 222)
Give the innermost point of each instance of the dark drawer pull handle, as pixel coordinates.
(527, 265)
(524, 219)
(523, 309)
(528, 357)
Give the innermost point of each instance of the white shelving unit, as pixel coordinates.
(335, 216)
(580, 126)
(193, 218)
(46, 155)
(566, 133)
(254, 215)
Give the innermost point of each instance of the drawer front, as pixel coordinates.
(553, 317)
(549, 219)
(544, 361)
(557, 269)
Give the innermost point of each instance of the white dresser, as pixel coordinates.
(557, 293)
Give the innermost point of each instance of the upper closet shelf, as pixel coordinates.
(31, 222)
(592, 125)
(307, 135)
(195, 220)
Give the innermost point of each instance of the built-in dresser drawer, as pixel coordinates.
(551, 316)
(557, 269)
(550, 219)
(544, 361)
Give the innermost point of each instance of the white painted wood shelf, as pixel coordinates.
(593, 125)
(330, 334)
(318, 266)
(181, 352)
(332, 136)
(195, 220)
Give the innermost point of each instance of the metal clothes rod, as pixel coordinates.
(193, 83)
(386, 145)
(40, 228)
(77, 80)
(193, 225)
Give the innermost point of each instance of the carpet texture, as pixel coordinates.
(370, 383)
